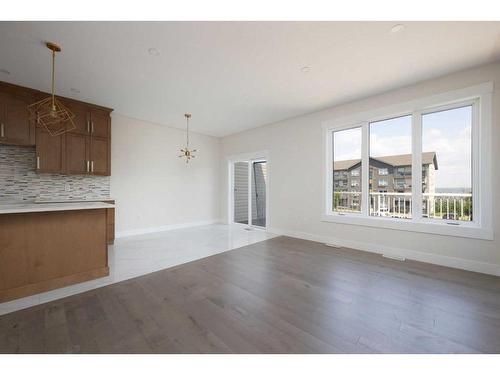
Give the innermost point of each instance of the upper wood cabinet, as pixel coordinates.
(100, 156)
(83, 150)
(77, 153)
(88, 147)
(49, 152)
(15, 125)
(82, 116)
(100, 123)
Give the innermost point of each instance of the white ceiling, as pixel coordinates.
(236, 75)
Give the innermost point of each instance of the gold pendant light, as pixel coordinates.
(50, 113)
(186, 152)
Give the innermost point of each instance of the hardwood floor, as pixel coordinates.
(282, 295)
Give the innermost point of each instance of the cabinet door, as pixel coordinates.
(49, 152)
(100, 156)
(100, 123)
(16, 127)
(77, 153)
(82, 117)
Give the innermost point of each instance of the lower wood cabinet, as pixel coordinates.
(42, 251)
(110, 223)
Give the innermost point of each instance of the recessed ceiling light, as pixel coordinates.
(153, 52)
(76, 91)
(397, 28)
(305, 69)
(5, 71)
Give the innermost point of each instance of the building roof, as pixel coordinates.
(392, 160)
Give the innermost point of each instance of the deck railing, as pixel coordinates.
(449, 206)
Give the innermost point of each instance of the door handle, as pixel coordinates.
(2, 130)
(92, 166)
(88, 165)
(38, 162)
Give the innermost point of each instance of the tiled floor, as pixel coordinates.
(138, 255)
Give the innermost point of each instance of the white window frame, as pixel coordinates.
(480, 96)
(386, 171)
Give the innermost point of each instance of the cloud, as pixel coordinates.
(389, 145)
(347, 144)
(454, 155)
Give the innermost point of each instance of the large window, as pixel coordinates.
(421, 166)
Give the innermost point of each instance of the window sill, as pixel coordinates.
(466, 230)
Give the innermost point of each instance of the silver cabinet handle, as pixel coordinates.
(2, 130)
(38, 162)
(88, 165)
(92, 166)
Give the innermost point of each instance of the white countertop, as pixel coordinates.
(46, 207)
(72, 200)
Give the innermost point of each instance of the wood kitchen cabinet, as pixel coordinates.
(100, 156)
(49, 152)
(77, 142)
(83, 150)
(110, 232)
(100, 123)
(77, 154)
(15, 125)
(42, 251)
(88, 147)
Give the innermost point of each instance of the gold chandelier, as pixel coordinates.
(186, 152)
(50, 113)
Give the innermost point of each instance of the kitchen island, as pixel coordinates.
(51, 245)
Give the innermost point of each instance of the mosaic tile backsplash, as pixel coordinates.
(20, 183)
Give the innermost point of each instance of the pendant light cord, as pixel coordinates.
(187, 133)
(53, 79)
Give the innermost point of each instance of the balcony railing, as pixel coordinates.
(399, 205)
(391, 205)
(447, 206)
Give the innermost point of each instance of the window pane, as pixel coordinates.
(390, 168)
(447, 164)
(347, 170)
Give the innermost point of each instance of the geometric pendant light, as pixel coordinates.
(50, 113)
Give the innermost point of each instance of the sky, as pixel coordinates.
(448, 133)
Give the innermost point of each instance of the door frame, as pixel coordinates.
(249, 157)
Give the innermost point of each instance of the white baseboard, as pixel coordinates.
(441, 260)
(163, 228)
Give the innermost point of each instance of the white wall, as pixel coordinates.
(295, 180)
(153, 188)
